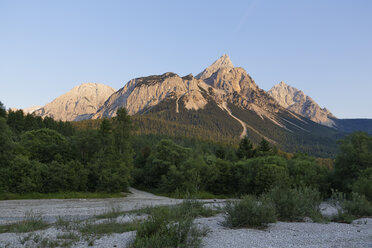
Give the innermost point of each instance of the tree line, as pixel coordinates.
(43, 155)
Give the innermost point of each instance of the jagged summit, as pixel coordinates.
(223, 62)
(297, 101)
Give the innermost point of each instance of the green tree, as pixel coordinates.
(264, 146)
(354, 157)
(245, 149)
(6, 154)
(43, 144)
(304, 171)
(16, 121)
(122, 128)
(260, 174)
(26, 175)
(363, 185)
(105, 131)
(167, 156)
(2, 110)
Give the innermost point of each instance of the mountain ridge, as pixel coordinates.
(224, 90)
(298, 102)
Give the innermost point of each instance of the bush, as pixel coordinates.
(306, 171)
(249, 212)
(295, 204)
(170, 227)
(355, 157)
(349, 209)
(363, 184)
(259, 175)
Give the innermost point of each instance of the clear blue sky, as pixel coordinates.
(321, 47)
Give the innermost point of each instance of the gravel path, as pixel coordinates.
(281, 234)
(51, 209)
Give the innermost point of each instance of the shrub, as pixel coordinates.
(293, 204)
(363, 184)
(350, 209)
(249, 212)
(170, 227)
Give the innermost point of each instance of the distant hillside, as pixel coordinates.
(352, 125)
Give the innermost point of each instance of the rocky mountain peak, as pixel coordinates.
(82, 100)
(223, 62)
(297, 101)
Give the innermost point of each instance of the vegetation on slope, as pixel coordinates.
(48, 157)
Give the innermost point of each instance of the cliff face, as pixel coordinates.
(79, 103)
(143, 93)
(221, 81)
(296, 101)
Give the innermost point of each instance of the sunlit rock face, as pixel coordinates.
(296, 101)
(79, 103)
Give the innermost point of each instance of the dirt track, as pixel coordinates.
(51, 209)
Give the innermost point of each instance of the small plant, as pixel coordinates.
(62, 224)
(190, 207)
(108, 227)
(113, 213)
(350, 209)
(30, 223)
(294, 204)
(171, 226)
(249, 212)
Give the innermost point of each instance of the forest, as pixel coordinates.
(46, 156)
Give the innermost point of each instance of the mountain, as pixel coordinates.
(296, 101)
(77, 104)
(30, 110)
(143, 93)
(223, 62)
(353, 125)
(222, 102)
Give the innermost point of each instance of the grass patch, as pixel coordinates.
(249, 212)
(191, 207)
(30, 223)
(108, 227)
(62, 224)
(59, 195)
(171, 226)
(113, 213)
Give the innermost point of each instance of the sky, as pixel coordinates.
(321, 47)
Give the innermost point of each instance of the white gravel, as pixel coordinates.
(294, 234)
(51, 209)
(281, 234)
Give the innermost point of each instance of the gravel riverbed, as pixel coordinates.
(281, 234)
